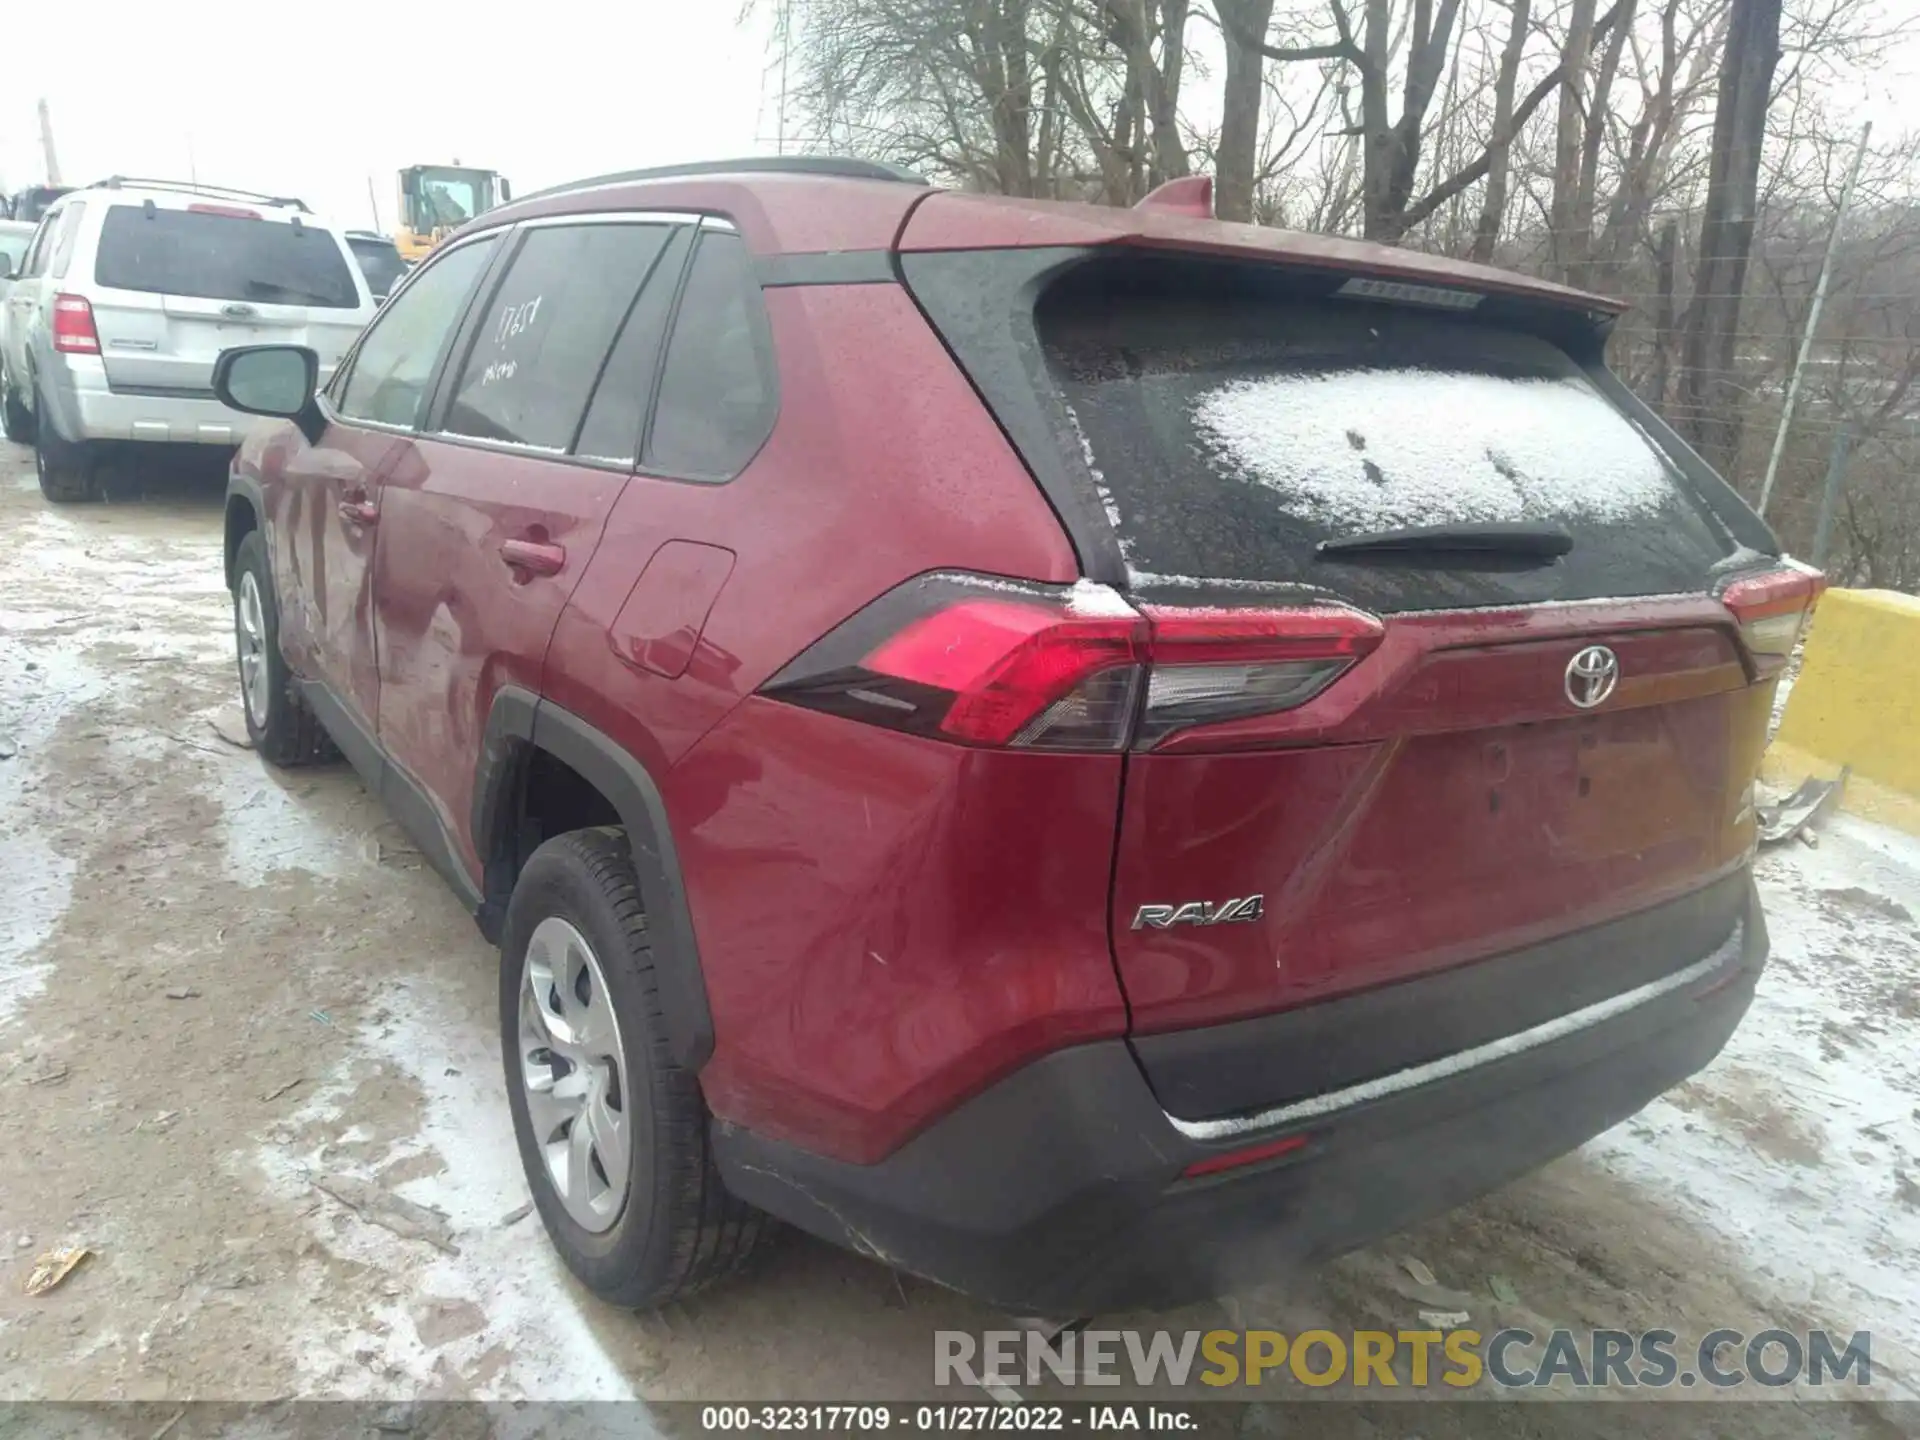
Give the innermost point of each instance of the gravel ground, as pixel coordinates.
(238, 1014)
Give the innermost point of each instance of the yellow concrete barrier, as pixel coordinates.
(1857, 704)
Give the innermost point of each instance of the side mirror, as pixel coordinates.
(506, 190)
(277, 380)
(8, 269)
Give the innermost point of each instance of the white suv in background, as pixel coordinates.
(127, 296)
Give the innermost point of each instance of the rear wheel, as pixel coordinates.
(612, 1133)
(65, 467)
(19, 419)
(279, 723)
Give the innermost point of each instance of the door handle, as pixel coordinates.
(533, 556)
(359, 512)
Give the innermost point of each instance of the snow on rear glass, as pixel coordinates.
(1366, 450)
(1224, 436)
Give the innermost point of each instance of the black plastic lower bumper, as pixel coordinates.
(1060, 1190)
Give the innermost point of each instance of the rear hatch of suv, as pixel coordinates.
(180, 283)
(1448, 655)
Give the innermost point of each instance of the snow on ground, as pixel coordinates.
(1802, 1142)
(444, 1315)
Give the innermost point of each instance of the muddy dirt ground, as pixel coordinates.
(239, 1018)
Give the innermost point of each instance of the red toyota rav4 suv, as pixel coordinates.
(1092, 755)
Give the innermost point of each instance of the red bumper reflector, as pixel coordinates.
(1252, 1155)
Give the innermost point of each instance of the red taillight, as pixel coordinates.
(994, 662)
(1007, 664)
(1212, 665)
(73, 332)
(232, 212)
(1771, 610)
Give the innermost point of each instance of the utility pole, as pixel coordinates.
(780, 124)
(46, 144)
(1813, 320)
(1836, 477)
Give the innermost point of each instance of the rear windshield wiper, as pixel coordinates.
(1497, 540)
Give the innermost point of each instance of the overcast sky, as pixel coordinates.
(317, 99)
(312, 99)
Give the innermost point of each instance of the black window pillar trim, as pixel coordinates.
(826, 267)
(520, 723)
(981, 305)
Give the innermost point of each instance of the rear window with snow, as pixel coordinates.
(1229, 430)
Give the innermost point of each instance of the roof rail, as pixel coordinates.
(840, 167)
(189, 187)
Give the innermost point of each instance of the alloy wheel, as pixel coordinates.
(573, 1074)
(250, 626)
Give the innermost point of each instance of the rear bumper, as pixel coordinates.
(85, 406)
(1060, 1191)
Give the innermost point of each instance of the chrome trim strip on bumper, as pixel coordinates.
(1559, 1028)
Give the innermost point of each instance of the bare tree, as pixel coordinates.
(1428, 123)
(1493, 203)
(1237, 156)
(1709, 404)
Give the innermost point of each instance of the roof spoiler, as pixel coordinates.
(1190, 195)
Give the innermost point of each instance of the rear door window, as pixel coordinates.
(64, 237)
(380, 262)
(717, 392)
(223, 257)
(538, 352)
(1230, 433)
(36, 263)
(618, 411)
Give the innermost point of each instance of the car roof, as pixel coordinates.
(189, 195)
(809, 204)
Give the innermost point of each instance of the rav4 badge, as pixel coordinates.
(1199, 912)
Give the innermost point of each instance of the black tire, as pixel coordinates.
(66, 467)
(19, 419)
(679, 1229)
(288, 733)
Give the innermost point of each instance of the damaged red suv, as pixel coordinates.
(1093, 755)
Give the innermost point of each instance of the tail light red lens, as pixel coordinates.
(73, 332)
(1772, 609)
(1212, 665)
(999, 663)
(1009, 663)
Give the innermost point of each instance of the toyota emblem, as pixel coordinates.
(1591, 676)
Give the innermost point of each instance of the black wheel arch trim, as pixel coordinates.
(519, 723)
(243, 487)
